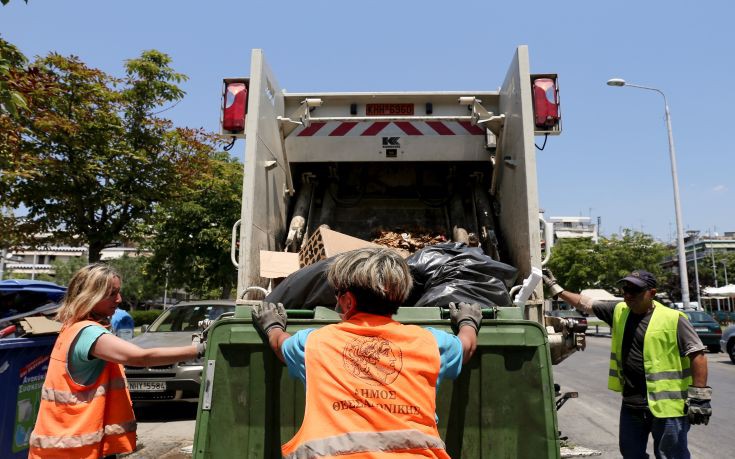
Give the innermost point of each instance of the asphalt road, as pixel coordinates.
(592, 419)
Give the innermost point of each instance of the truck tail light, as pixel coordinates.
(234, 107)
(545, 102)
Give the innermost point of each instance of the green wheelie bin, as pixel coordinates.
(501, 406)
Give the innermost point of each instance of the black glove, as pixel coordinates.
(465, 314)
(697, 405)
(267, 316)
(550, 282)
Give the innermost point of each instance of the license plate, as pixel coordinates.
(146, 386)
(701, 329)
(389, 109)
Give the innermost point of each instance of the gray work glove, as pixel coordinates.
(550, 282)
(199, 342)
(268, 316)
(465, 314)
(697, 405)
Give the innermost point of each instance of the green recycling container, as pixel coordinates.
(501, 406)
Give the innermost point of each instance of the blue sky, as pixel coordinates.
(611, 160)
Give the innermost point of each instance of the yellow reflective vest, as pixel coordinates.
(668, 375)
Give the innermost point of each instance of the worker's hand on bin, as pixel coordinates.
(198, 341)
(697, 405)
(551, 283)
(465, 314)
(268, 316)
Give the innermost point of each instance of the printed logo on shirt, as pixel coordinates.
(373, 359)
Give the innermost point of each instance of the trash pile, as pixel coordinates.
(409, 241)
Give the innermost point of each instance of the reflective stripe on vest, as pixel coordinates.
(361, 442)
(83, 396)
(667, 373)
(78, 441)
(370, 391)
(82, 421)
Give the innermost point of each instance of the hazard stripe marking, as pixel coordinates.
(440, 128)
(311, 130)
(472, 128)
(375, 128)
(343, 128)
(408, 128)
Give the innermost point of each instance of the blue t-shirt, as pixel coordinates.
(84, 367)
(450, 354)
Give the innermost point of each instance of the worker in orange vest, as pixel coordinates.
(370, 381)
(86, 411)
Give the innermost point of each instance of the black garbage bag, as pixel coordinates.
(307, 288)
(454, 272)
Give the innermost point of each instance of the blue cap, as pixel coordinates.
(641, 278)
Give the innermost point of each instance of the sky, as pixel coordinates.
(611, 160)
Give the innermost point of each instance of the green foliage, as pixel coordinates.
(580, 264)
(94, 159)
(11, 61)
(65, 269)
(144, 317)
(137, 283)
(192, 234)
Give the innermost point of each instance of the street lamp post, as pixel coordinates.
(683, 276)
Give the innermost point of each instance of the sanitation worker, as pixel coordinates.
(657, 361)
(86, 411)
(370, 381)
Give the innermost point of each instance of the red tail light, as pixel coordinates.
(234, 108)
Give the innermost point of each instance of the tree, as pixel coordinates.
(192, 235)
(580, 264)
(94, 160)
(11, 60)
(64, 270)
(137, 283)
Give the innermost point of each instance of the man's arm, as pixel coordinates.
(468, 337)
(276, 338)
(699, 369)
(582, 303)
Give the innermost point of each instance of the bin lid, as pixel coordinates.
(53, 292)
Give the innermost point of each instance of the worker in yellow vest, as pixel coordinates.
(657, 361)
(85, 410)
(370, 381)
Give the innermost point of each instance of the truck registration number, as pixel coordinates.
(389, 109)
(146, 386)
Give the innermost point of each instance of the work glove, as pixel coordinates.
(697, 405)
(198, 341)
(550, 282)
(268, 316)
(465, 314)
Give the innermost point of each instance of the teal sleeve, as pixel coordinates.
(450, 354)
(83, 367)
(294, 353)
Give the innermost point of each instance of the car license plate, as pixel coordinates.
(701, 329)
(389, 109)
(146, 386)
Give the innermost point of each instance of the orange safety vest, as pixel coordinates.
(81, 421)
(370, 392)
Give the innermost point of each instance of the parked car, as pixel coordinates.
(174, 327)
(707, 328)
(727, 342)
(573, 314)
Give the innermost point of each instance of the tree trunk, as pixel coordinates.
(95, 249)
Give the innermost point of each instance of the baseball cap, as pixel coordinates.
(641, 278)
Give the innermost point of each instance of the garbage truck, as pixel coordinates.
(457, 163)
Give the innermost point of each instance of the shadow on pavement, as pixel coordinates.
(164, 412)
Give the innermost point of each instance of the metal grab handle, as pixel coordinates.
(233, 245)
(548, 237)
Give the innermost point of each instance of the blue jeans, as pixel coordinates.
(669, 435)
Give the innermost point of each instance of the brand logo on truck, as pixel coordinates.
(391, 142)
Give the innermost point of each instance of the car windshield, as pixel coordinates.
(187, 318)
(697, 316)
(566, 313)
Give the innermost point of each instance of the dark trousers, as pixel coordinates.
(669, 435)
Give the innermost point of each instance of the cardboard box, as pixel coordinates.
(325, 243)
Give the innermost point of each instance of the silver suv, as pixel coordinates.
(173, 327)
